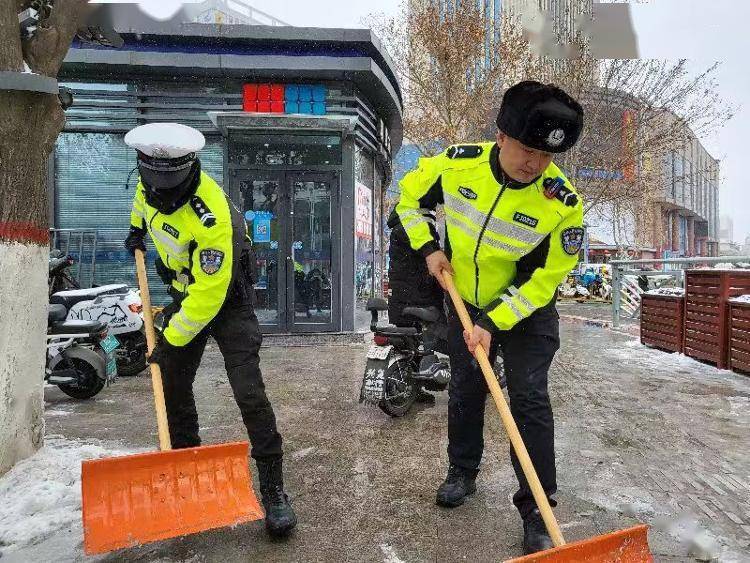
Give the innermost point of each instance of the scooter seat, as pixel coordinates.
(396, 331)
(376, 304)
(70, 297)
(77, 327)
(56, 313)
(426, 314)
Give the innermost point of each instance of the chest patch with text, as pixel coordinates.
(525, 220)
(167, 228)
(468, 193)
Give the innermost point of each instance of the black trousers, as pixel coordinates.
(237, 333)
(528, 350)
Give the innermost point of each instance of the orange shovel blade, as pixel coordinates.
(624, 546)
(146, 497)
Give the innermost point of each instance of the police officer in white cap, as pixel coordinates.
(205, 256)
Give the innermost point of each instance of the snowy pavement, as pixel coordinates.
(41, 498)
(641, 436)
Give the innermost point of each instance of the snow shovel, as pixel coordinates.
(153, 496)
(625, 546)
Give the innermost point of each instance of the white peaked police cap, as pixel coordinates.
(165, 140)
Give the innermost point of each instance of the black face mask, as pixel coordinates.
(168, 186)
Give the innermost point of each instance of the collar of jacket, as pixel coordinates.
(500, 175)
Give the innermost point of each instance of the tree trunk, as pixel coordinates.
(30, 124)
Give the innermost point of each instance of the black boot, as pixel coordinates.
(459, 484)
(535, 536)
(280, 517)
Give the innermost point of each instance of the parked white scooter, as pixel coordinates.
(80, 355)
(121, 309)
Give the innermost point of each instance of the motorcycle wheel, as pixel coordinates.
(92, 383)
(132, 358)
(399, 393)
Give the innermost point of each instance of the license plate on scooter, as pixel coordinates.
(110, 344)
(378, 352)
(373, 383)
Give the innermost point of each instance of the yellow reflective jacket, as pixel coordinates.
(201, 243)
(509, 244)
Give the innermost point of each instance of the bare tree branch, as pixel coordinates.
(451, 88)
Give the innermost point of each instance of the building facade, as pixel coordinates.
(672, 206)
(301, 126)
(687, 207)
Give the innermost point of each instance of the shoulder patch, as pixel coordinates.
(207, 218)
(464, 151)
(211, 260)
(572, 240)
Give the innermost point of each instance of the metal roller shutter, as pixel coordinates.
(90, 174)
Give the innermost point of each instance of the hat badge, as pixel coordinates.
(159, 152)
(556, 137)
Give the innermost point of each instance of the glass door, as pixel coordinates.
(264, 206)
(292, 218)
(312, 272)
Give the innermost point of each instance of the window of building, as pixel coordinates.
(253, 149)
(91, 170)
(669, 174)
(679, 177)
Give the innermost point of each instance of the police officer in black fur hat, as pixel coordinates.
(513, 233)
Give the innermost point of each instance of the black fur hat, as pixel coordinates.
(540, 116)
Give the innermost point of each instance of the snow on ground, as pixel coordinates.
(389, 554)
(41, 495)
(741, 299)
(57, 412)
(676, 291)
(636, 353)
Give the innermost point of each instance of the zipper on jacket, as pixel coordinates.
(479, 241)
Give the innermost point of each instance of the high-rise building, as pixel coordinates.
(551, 23)
(491, 9)
(726, 229)
(559, 16)
(232, 12)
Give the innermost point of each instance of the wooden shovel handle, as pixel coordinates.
(510, 425)
(165, 443)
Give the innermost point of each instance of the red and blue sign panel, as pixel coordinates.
(309, 99)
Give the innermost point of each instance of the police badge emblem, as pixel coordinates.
(556, 138)
(211, 260)
(572, 240)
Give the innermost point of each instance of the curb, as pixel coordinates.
(313, 339)
(633, 331)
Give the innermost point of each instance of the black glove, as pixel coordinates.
(136, 239)
(163, 352)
